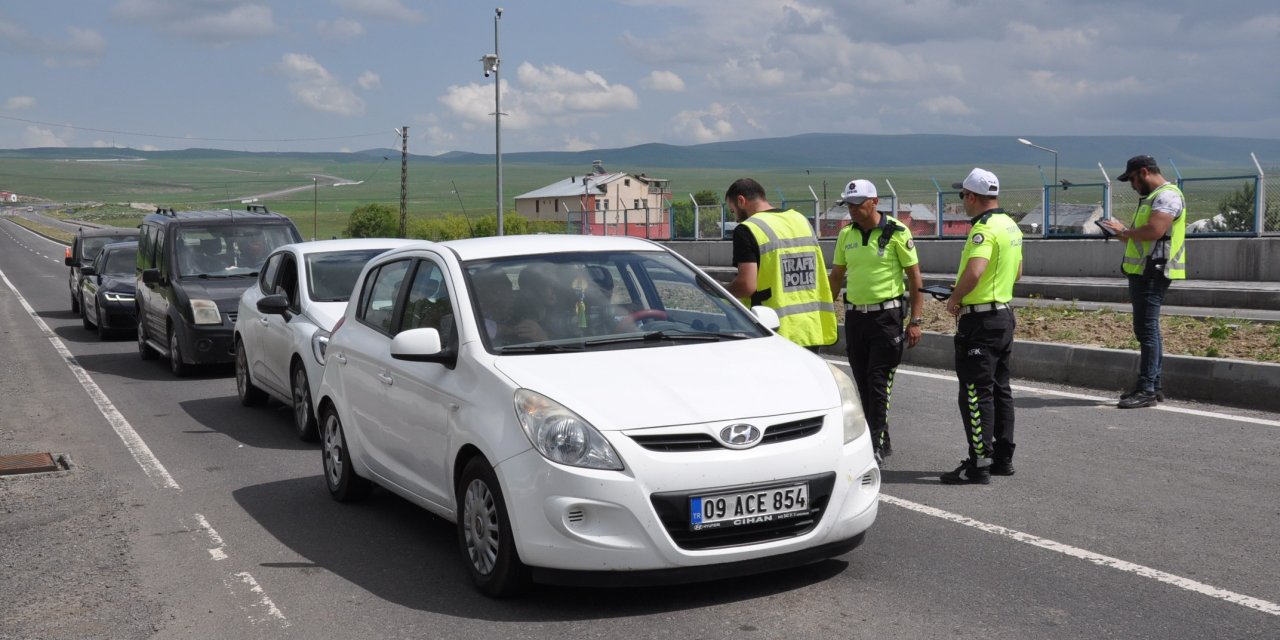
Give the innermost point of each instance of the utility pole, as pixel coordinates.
(315, 208)
(491, 62)
(404, 180)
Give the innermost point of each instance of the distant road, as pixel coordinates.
(330, 181)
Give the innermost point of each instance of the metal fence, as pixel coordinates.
(1233, 205)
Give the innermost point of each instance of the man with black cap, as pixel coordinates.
(990, 263)
(874, 252)
(1154, 256)
(780, 266)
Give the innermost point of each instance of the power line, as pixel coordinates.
(166, 137)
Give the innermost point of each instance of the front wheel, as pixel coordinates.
(176, 365)
(484, 533)
(339, 474)
(250, 395)
(304, 418)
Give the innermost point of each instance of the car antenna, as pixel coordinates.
(470, 232)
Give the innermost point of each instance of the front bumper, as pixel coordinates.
(207, 344)
(568, 519)
(117, 315)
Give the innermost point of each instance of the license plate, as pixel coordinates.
(748, 507)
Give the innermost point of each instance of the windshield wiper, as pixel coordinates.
(674, 335)
(540, 348)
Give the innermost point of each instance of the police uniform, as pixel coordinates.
(874, 309)
(984, 339)
(791, 278)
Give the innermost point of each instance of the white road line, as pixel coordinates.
(1099, 399)
(132, 441)
(263, 601)
(1096, 558)
(218, 551)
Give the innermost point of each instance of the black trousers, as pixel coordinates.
(874, 342)
(984, 345)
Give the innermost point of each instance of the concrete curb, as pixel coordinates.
(1238, 383)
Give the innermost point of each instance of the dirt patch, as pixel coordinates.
(1183, 335)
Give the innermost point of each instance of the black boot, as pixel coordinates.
(969, 472)
(1002, 461)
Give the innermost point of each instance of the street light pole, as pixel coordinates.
(1055, 180)
(491, 64)
(315, 208)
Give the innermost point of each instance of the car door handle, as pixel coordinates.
(385, 378)
(263, 320)
(340, 358)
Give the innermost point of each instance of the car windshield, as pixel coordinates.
(120, 262)
(600, 300)
(332, 275)
(89, 247)
(220, 251)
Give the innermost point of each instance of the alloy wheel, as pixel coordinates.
(480, 527)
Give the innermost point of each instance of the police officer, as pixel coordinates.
(990, 263)
(871, 256)
(1156, 255)
(780, 266)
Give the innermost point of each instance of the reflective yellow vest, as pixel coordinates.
(794, 272)
(1135, 253)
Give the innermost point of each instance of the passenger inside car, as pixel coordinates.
(496, 297)
(544, 305)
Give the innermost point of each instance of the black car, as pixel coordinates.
(85, 247)
(192, 267)
(107, 291)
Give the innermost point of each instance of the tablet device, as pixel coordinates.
(938, 291)
(1105, 231)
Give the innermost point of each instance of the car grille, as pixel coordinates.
(679, 442)
(231, 316)
(673, 510)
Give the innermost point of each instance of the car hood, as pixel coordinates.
(223, 292)
(120, 283)
(679, 384)
(326, 314)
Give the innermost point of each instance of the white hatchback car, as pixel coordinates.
(591, 409)
(284, 320)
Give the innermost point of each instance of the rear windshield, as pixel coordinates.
(332, 275)
(89, 247)
(227, 250)
(121, 262)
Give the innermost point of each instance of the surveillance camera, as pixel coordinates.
(486, 73)
(499, 12)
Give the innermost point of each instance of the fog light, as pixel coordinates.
(203, 345)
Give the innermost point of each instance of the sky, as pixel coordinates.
(341, 75)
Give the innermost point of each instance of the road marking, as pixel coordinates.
(1096, 558)
(1099, 399)
(263, 601)
(234, 580)
(132, 441)
(218, 552)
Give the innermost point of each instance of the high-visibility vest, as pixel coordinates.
(794, 272)
(1136, 253)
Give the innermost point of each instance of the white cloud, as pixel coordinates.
(946, 106)
(544, 94)
(18, 103)
(392, 10)
(576, 143)
(663, 81)
(314, 87)
(212, 21)
(35, 136)
(706, 125)
(369, 80)
(81, 48)
(341, 30)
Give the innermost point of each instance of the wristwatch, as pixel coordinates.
(916, 321)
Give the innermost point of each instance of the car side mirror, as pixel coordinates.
(422, 345)
(768, 317)
(150, 277)
(88, 271)
(70, 261)
(274, 305)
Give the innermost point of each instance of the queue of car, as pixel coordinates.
(584, 409)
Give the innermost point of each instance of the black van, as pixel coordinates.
(192, 268)
(85, 247)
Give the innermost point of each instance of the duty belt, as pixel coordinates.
(878, 306)
(986, 306)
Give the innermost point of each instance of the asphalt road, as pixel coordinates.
(189, 516)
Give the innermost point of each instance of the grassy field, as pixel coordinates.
(104, 190)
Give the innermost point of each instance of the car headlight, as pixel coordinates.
(113, 296)
(561, 435)
(319, 345)
(205, 312)
(855, 423)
